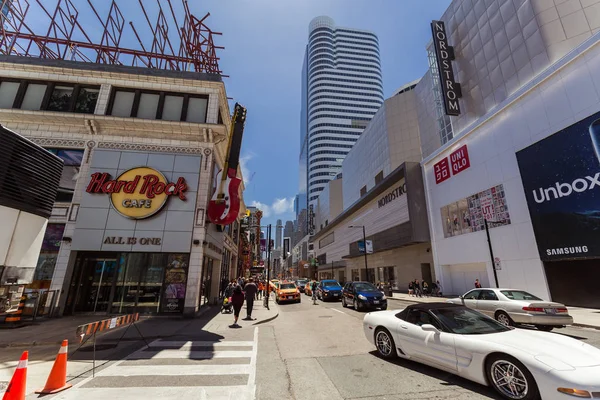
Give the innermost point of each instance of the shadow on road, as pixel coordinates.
(447, 378)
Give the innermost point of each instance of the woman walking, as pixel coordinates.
(237, 299)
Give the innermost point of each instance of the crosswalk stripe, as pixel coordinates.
(240, 392)
(141, 370)
(202, 343)
(147, 355)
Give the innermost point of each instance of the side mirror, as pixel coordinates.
(429, 328)
(461, 297)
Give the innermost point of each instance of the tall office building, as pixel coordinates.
(278, 234)
(341, 91)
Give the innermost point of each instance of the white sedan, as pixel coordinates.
(520, 364)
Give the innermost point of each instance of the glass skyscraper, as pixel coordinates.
(341, 91)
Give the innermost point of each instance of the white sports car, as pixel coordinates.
(518, 363)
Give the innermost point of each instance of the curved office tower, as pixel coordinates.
(341, 91)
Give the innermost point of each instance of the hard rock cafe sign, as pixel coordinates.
(137, 193)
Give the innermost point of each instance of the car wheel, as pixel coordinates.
(545, 328)
(385, 343)
(357, 305)
(504, 318)
(509, 377)
(344, 302)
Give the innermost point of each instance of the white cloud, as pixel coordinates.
(278, 207)
(246, 173)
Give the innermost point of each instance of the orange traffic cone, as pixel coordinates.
(17, 387)
(57, 381)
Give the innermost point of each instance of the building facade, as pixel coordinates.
(520, 159)
(341, 91)
(128, 231)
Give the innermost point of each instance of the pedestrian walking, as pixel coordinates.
(250, 289)
(237, 299)
(440, 292)
(313, 291)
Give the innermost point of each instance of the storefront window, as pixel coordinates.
(207, 268)
(355, 275)
(47, 258)
(386, 275)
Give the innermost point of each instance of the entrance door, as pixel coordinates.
(426, 272)
(95, 284)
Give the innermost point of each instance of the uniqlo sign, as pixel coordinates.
(457, 162)
(441, 170)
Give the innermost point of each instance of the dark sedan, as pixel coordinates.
(329, 289)
(363, 295)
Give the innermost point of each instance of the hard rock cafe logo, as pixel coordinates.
(139, 192)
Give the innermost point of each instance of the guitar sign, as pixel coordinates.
(224, 205)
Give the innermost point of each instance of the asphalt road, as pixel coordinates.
(320, 352)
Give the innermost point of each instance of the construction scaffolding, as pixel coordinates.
(32, 29)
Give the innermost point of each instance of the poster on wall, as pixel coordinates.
(175, 283)
(561, 177)
(53, 237)
(468, 215)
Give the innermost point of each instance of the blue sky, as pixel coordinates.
(264, 44)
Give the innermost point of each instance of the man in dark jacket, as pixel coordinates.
(250, 289)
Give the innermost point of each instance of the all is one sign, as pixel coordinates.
(457, 161)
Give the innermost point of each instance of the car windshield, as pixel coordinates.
(302, 282)
(519, 295)
(464, 321)
(365, 287)
(288, 286)
(330, 283)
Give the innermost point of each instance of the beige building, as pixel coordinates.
(141, 149)
(381, 189)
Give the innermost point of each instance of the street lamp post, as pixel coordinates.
(487, 232)
(365, 246)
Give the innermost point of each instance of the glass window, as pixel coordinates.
(70, 173)
(196, 111)
(60, 99)
(488, 295)
(519, 295)
(172, 108)
(86, 100)
(33, 97)
(122, 104)
(127, 285)
(464, 321)
(8, 92)
(472, 295)
(148, 106)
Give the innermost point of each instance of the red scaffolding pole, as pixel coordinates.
(189, 47)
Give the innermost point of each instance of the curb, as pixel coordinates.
(270, 318)
(586, 326)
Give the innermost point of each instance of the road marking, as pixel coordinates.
(142, 370)
(240, 392)
(186, 345)
(341, 312)
(252, 376)
(149, 354)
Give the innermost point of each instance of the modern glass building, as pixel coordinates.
(341, 91)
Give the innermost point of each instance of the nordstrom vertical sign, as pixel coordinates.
(445, 54)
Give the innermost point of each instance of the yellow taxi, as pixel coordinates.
(308, 288)
(287, 291)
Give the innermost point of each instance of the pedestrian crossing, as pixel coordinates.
(185, 369)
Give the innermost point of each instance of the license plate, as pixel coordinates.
(290, 297)
(550, 310)
(375, 301)
(336, 294)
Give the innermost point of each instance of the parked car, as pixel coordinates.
(329, 289)
(287, 291)
(514, 306)
(301, 283)
(518, 363)
(363, 295)
(308, 288)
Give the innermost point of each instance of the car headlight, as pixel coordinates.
(361, 297)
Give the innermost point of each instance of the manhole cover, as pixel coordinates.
(325, 316)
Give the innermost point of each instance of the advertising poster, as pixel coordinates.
(52, 237)
(561, 179)
(468, 215)
(175, 283)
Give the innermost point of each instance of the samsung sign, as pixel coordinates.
(445, 54)
(561, 177)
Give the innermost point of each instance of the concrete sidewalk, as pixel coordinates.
(584, 317)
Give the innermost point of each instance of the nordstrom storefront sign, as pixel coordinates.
(391, 196)
(445, 54)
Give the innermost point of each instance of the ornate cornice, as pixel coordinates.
(151, 147)
(58, 142)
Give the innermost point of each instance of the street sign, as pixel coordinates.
(361, 247)
(497, 265)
